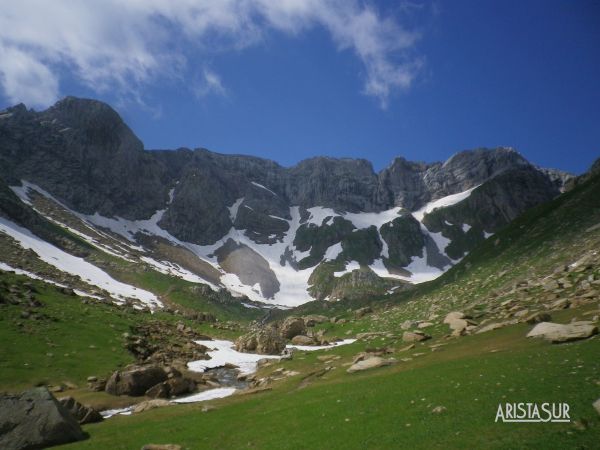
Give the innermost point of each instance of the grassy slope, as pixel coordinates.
(392, 407)
(70, 341)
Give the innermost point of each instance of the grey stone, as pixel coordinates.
(35, 419)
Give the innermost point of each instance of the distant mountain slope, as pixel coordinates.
(325, 229)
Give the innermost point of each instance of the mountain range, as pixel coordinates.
(249, 228)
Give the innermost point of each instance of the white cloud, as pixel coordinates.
(123, 46)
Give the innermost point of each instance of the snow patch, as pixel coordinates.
(333, 251)
(263, 187)
(308, 348)
(365, 220)
(68, 263)
(5, 267)
(222, 352)
(176, 270)
(466, 227)
(211, 394)
(233, 209)
(442, 203)
(352, 265)
(318, 214)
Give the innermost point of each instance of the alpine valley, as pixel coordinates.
(384, 304)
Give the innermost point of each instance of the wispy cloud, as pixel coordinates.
(123, 46)
(210, 83)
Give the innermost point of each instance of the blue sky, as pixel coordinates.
(293, 79)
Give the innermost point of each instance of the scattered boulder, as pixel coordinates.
(424, 325)
(135, 381)
(455, 315)
(303, 340)
(438, 410)
(369, 335)
(264, 341)
(408, 324)
(556, 332)
(538, 317)
(180, 385)
(596, 405)
(151, 404)
(370, 363)
(315, 319)
(562, 303)
(35, 419)
(492, 326)
(292, 326)
(83, 414)
(361, 312)
(414, 336)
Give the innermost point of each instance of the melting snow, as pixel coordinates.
(318, 214)
(466, 227)
(222, 352)
(66, 262)
(333, 251)
(5, 267)
(308, 348)
(211, 394)
(263, 187)
(233, 209)
(442, 203)
(176, 270)
(352, 265)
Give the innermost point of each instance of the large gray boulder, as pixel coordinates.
(556, 332)
(35, 420)
(135, 381)
(264, 341)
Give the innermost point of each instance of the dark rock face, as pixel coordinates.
(93, 162)
(404, 239)
(82, 152)
(411, 185)
(35, 420)
(344, 184)
(489, 207)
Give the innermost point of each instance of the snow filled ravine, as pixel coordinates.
(222, 353)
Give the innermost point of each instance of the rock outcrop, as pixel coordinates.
(264, 341)
(135, 381)
(292, 326)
